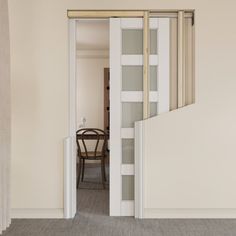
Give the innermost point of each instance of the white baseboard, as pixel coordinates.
(213, 213)
(30, 213)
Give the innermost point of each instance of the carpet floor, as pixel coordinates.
(92, 220)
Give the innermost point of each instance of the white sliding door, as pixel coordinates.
(126, 76)
(127, 90)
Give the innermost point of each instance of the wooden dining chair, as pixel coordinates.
(88, 151)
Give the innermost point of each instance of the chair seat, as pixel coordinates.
(91, 155)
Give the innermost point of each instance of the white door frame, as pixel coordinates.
(70, 149)
(117, 207)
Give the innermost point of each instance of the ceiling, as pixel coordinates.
(93, 34)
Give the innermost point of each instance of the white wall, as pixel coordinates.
(90, 87)
(5, 117)
(39, 70)
(190, 158)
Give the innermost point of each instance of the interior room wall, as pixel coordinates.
(190, 153)
(90, 87)
(5, 117)
(204, 158)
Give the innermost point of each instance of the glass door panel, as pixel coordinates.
(132, 41)
(132, 78)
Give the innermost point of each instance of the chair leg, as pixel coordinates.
(102, 172)
(104, 167)
(79, 171)
(83, 170)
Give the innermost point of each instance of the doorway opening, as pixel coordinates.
(147, 78)
(92, 75)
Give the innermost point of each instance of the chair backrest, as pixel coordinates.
(88, 134)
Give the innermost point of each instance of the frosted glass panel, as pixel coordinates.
(153, 109)
(132, 41)
(128, 151)
(153, 78)
(132, 78)
(127, 187)
(131, 112)
(153, 41)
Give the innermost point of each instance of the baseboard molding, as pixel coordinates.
(29, 213)
(213, 213)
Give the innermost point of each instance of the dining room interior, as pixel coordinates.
(92, 136)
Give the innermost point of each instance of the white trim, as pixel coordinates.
(164, 65)
(92, 54)
(153, 60)
(115, 118)
(138, 160)
(132, 60)
(153, 96)
(195, 213)
(132, 96)
(31, 213)
(69, 142)
(72, 77)
(137, 96)
(67, 177)
(137, 60)
(127, 133)
(127, 169)
(127, 208)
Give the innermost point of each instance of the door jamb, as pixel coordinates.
(70, 141)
